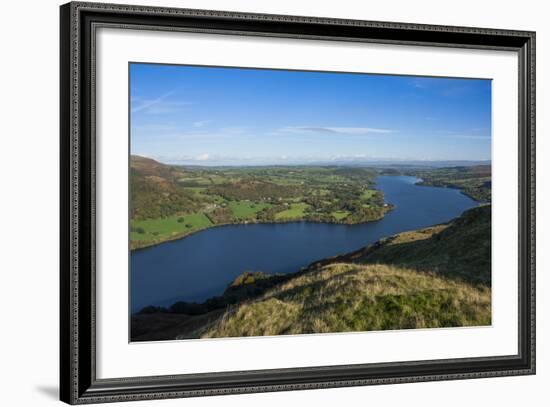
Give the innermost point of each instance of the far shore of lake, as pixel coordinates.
(422, 183)
(419, 182)
(179, 236)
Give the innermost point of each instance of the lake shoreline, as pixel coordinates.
(346, 257)
(390, 207)
(315, 265)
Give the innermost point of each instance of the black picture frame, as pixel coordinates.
(78, 382)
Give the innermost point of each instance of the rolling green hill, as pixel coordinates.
(170, 202)
(434, 277)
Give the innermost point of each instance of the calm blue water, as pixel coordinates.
(201, 265)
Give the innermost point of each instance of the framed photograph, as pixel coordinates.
(255, 203)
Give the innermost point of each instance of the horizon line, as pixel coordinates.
(317, 162)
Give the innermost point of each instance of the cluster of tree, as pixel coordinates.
(342, 199)
(268, 214)
(138, 229)
(366, 214)
(358, 213)
(319, 217)
(220, 215)
(480, 193)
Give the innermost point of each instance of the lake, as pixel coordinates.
(201, 265)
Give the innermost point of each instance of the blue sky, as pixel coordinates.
(231, 116)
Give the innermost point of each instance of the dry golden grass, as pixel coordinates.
(416, 235)
(350, 297)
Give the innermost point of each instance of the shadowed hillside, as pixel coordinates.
(459, 250)
(154, 190)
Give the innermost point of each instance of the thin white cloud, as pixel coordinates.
(473, 137)
(158, 105)
(167, 107)
(202, 157)
(155, 127)
(234, 130)
(147, 103)
(353, 131)
(419, 83)
(201, 123)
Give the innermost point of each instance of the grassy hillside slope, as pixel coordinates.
(350, 297)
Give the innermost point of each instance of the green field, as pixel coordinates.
(152, 230)
(196, 190)
(368, 194)
(339, 215)
(246, 210)
(295, 211)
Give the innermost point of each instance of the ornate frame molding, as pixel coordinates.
(79, 21)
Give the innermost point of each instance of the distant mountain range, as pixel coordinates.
(344, 161)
